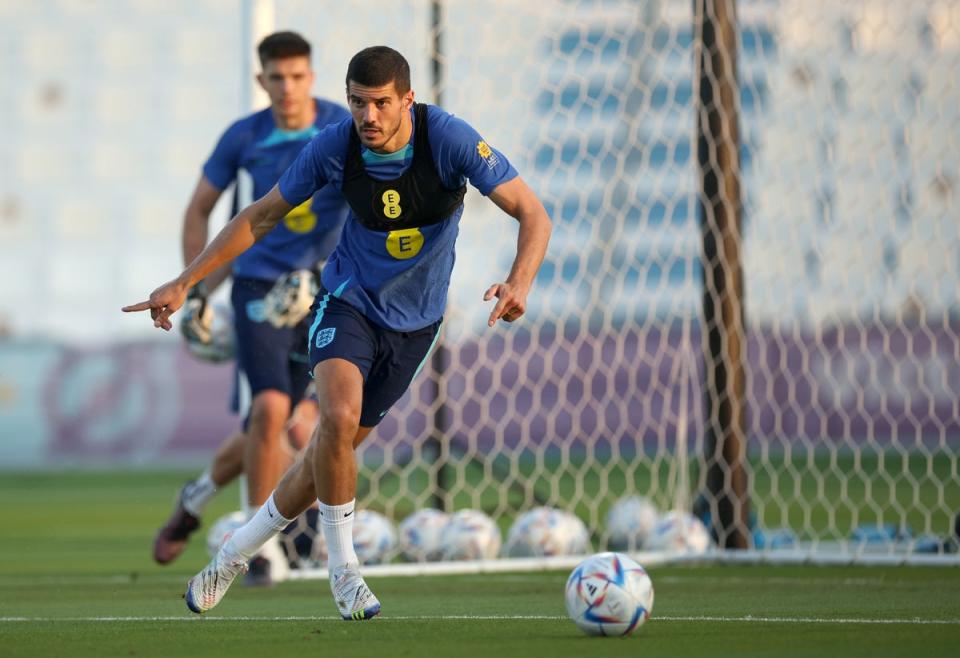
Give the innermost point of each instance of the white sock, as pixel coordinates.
(337, 524)
(248, 538)
(248, 509)
(197, 494)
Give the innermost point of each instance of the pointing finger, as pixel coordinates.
(140, 306)
(494, 315)
(498, 311)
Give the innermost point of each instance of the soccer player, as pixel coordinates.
(271, 359)
(402, 167)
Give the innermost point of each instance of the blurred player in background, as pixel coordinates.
(273, 287)
(403, 168)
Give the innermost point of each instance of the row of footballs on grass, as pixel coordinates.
(633, 523)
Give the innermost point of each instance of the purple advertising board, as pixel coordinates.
(151, 403)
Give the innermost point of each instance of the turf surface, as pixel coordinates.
(76, 579)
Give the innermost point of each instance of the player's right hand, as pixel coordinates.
(163, 302)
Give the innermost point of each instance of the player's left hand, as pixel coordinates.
(163, 302)
(511, 302)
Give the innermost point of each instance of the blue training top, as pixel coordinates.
(309, 232)
(397, 279)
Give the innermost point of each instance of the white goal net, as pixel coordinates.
(849, 117)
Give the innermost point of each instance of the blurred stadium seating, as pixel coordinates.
(122, 101)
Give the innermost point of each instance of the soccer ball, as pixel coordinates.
(374, 536)
(679, 531)
(609, 594)
(303, 542)
(222, 528)
(420, 535)
(470, 535)
(545, 532)
(629, 523)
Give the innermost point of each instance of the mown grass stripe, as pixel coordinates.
(654, 619)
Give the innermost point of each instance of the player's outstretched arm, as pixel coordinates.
(239, 234)
(517, 200)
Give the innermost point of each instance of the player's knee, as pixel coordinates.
(270, 410)
(339, 423)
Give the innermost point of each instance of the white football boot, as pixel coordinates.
(205, 590)
(354, 599)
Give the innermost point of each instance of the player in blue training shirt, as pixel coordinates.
(271, 342)
(402, 167)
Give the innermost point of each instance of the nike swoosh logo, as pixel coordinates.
(346, 514)
(269, 512)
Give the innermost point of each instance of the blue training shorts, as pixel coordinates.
(388, 360)
(267, 357)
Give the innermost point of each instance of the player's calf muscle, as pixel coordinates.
(296, 491)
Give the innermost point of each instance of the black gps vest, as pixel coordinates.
(417, 198)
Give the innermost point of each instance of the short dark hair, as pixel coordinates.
(377, 66)
(281, 45)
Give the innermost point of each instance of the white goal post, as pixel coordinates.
(849, 122)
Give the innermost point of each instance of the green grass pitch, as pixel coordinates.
(76, 579)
